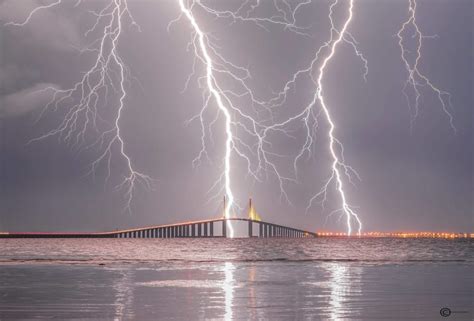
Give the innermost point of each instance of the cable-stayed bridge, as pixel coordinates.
(214, 227)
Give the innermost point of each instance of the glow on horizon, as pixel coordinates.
(441, 235)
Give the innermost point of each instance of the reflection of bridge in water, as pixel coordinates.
(201, 228)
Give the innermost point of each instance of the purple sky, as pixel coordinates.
(419, 179)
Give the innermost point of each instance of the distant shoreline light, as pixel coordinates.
(437, 235)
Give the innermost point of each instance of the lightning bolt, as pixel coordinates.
(416, 79)
(310, 115)
(210, 80)
(108, 73)
(338, 162)
(32, 13)
(237, 118)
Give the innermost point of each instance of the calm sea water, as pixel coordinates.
(236, 279)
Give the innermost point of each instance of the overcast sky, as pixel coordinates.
(411, 179)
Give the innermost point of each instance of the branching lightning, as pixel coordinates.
(236, 117)
(217, 96)
(338, 163)
(416, 79)
(249, 121)
(108, 73)
(311, 114)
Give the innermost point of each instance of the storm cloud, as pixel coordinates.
(411, 179)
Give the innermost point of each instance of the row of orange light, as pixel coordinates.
(443, 235)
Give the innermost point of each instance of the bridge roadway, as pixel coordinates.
(202, 228)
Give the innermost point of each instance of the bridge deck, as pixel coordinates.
(200, 228)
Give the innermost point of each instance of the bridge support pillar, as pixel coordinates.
(260, 229)
(205, 230)
(224, 228)
(211, 229)
(250, 228)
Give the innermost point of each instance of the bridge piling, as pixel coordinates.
(203, 228)
(224, 228)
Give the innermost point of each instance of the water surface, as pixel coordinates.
(236, 279)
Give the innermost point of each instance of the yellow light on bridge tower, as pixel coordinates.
(252, 214)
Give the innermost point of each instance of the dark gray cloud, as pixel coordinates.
(415, 180)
